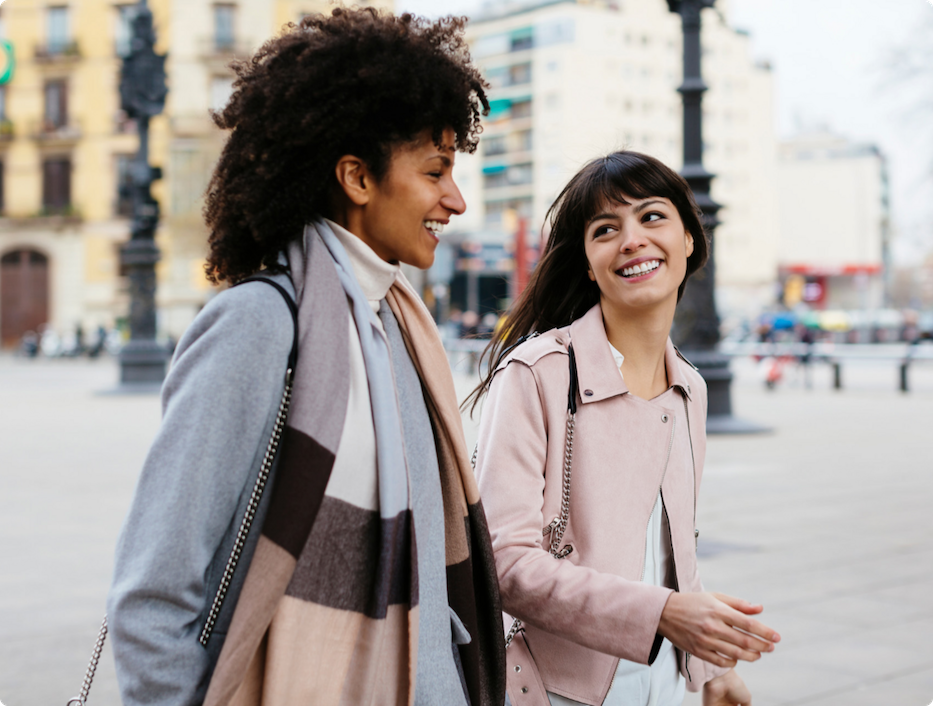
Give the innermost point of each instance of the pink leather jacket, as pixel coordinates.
(586, 611)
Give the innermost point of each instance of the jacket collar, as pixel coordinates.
(597, 373)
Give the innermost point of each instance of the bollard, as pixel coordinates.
(904, 386)
(837, 375)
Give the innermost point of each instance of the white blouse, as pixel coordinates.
(660, 684)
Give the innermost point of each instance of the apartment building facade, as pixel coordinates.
(65, 148)
(834, 221)
(573, 79)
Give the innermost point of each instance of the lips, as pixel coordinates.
(436, 227)
(639, 268)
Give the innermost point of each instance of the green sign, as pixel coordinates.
(7, 62)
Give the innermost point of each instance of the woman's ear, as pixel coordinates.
(688, 241)
(354, 178)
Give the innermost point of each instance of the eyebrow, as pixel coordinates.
(642, 206)
(600, 217)
(445, 160)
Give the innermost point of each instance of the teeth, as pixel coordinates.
(434, 226)
(641, 268)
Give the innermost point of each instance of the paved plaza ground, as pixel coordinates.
(826, 521)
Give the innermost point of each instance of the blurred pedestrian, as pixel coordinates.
(29, 344)
(367, 574)
(591, 448)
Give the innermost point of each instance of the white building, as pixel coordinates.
(833, 222)
(574, 79)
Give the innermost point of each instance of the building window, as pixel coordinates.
(56, 105)
(515, 175)
(221, 90)
(522, 39)
(224, 36)
(57, 29)
(519, 74)
(124, 29)
(56, 185)
(521, 109)
(524, 141)
(493, 145)
(123, 205)
(495, 210)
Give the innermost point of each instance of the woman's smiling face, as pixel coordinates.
(637, 252)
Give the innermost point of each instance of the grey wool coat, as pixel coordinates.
(194, 488)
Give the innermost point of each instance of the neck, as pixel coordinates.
(641, 337)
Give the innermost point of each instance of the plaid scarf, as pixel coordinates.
(344, 577)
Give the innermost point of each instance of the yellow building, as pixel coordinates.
(65, 146)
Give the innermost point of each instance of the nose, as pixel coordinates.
(633, 239)
(452, 199)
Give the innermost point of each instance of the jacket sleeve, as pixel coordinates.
(700, 670)
(601, 611)
(219, 401)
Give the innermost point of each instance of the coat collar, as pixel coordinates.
(597, 373)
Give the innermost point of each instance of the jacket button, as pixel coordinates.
(524, 689)
(664, 418)
(518, 667)
(588, 393)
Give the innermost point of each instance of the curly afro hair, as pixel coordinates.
(357, 82)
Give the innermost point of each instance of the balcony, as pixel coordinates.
(47, 132)
(57, 52)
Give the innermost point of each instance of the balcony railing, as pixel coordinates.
(220, 46)
(58, 51)
(46, 130)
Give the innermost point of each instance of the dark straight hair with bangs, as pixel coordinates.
(559, 290)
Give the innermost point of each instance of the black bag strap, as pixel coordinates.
(292, 307)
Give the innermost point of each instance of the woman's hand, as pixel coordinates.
(727, 690)
(716, 628)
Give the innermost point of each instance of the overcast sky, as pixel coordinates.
(832, 66)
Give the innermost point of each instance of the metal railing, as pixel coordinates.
(836, 354)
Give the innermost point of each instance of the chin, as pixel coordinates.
(421, 261)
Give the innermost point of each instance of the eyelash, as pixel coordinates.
(602, 230)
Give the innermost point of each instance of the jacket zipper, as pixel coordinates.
(696, 531)
(670, 446)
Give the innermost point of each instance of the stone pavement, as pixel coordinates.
(826, 521)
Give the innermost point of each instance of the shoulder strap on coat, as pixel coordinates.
(292, 307)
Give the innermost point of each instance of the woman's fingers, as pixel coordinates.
(739, 604)
(748, 625)
(714, 658)
(713, 629)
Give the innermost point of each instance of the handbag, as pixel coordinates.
(524, 685)
(252, 506)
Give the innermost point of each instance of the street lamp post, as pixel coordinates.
(142, 96)
(696, 325)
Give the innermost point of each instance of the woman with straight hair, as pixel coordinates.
(590, 456)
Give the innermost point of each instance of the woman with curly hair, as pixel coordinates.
(590, 456)
(346, 560)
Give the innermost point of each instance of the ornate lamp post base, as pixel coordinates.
(714, 367)
(142, 362)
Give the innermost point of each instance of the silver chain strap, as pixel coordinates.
(238, 544)
(91, 667)
(559, 525)
(251, 508)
